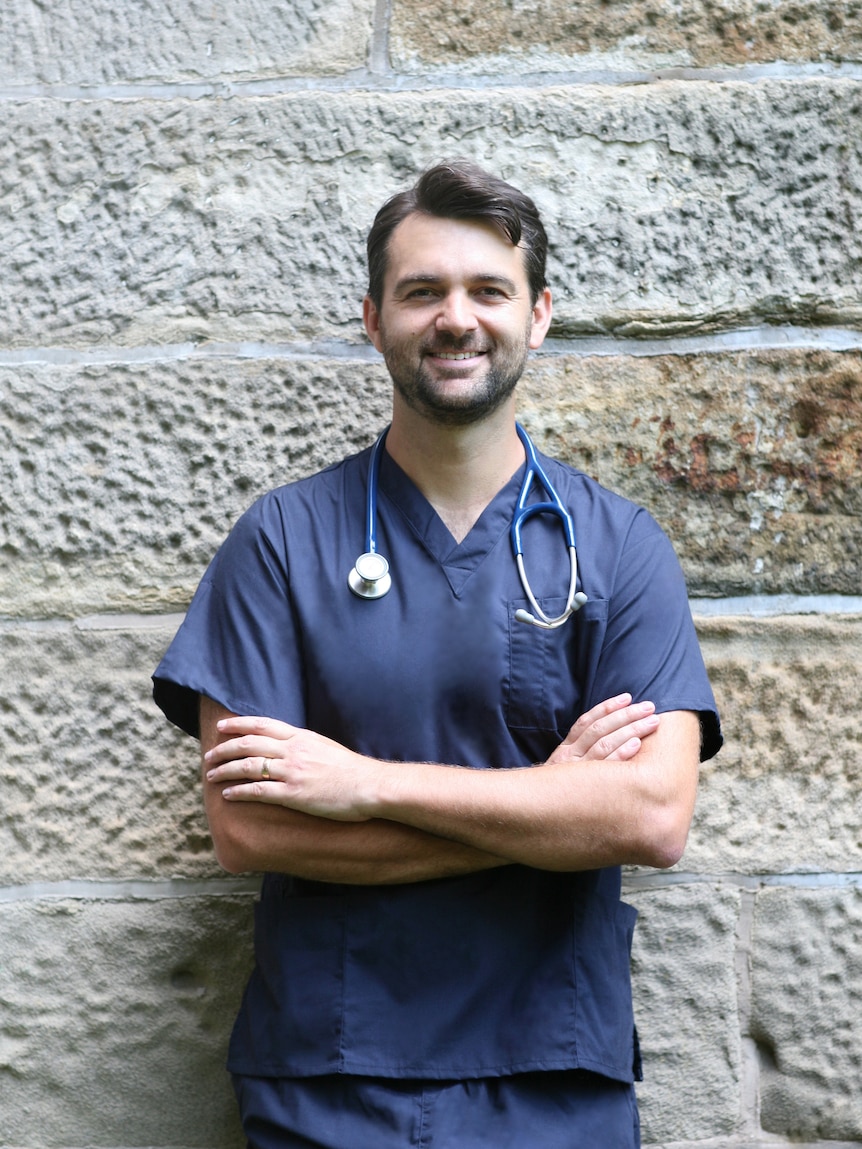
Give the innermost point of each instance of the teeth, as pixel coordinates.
(457, 355)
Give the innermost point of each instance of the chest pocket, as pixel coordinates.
(552, 673)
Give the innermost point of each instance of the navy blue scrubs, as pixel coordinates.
(504, 972)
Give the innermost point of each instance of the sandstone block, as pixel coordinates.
(556, 35)
(145, 467)
(102, 43)
(807, 1012)
(783, 794)
(686, 1012)
(95, 783)
(151, 222)
(114, 1020)
(749, 460)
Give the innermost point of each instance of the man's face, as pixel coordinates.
(455, 322)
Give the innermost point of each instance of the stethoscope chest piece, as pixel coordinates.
(370, 576)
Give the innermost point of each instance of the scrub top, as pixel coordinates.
(505, 971)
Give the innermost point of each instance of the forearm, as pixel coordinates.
(562, 815)
(259, 837)
(279, 840)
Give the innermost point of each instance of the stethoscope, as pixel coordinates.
(370, 576)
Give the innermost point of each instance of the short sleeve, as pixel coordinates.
(238, 641)
(650, 644)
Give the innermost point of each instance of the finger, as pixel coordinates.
(247, 746)
(269, 792)
(591, 727)
(610, 744)
(259, 768)
(596, 713)
(239, 724)
(627, 751)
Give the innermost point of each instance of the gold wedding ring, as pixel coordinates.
(264, 773)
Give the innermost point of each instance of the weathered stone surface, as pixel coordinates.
(114, 1020)
(104, 43)
(146, 467)
(686, 1012)
(807, 1012)
(94, 782)
(146, 222)
(783, 794)
(750, 461)
(545, 35)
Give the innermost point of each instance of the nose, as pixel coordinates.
(456, 315)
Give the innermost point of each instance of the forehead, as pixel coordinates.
(449, 249)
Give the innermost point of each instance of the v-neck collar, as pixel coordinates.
(457, 560)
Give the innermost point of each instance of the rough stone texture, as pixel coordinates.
(807, 1012)
(140, 222)
(147, 466)
(543, 35)
(94, 782)
(783, 794)
(749, 460)
(114, 1018)
(685, 1007)
(104, 43)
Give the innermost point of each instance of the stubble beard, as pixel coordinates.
(416, 386)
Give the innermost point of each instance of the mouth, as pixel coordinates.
(456, 356)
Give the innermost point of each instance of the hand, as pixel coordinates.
(285, 765)
(612, 731)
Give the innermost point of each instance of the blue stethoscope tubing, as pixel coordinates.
(553, 505)
(370, 576)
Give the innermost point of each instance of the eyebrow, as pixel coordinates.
(491, 278)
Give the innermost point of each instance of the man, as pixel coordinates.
(441, 951)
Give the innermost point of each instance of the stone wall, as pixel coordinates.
(184, 192)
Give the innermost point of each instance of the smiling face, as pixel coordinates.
(455, 321)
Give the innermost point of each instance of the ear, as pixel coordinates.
(371, 319)
(542, 312)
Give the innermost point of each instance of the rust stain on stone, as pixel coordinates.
(813, 449)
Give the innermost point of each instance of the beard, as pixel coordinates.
(415, 382)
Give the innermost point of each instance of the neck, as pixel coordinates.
(459, 470)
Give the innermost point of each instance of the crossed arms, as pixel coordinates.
(619, 789)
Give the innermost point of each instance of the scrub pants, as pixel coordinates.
(556, 1110)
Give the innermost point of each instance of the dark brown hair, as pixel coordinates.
(459, 189)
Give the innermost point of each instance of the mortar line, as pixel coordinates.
(803, 880)
(764, 337)
(749, 1061)
(756, 606)
(163, 888)
(367, 79)
(128, 889)
(378, 55)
